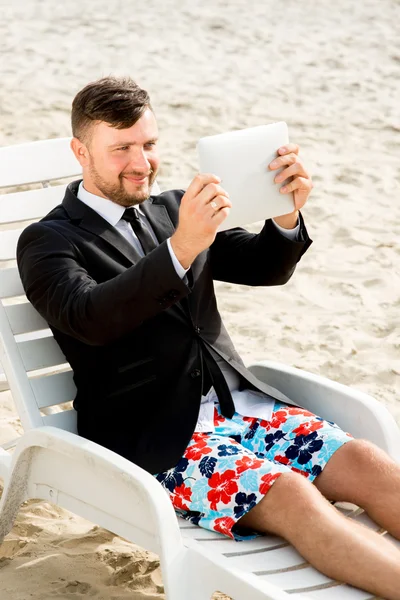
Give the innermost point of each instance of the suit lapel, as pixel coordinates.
(91, 221)
(159, 219)
(163, 227)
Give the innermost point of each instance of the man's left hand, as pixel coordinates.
(301, 183)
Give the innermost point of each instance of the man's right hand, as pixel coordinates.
(204, 207)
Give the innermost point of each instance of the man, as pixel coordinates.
(128, 293)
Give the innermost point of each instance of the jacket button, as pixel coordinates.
(197, 329)
(195, 373)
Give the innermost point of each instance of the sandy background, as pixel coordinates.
(331, 70)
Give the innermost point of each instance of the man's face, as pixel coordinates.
(123, 163)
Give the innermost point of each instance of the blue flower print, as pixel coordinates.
(249, 480)
(272, 438)
(303, 447)
(225, 450)
(193, 516)
(316, 470)
(173, 477)
(237, 438)
(244, 503)
(207, 465)
(252, 430)
(331, 444)
(199, 492)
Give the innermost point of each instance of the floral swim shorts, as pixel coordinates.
(224, 474)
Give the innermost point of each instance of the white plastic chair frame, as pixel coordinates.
(51, 462)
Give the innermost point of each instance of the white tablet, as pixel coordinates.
(241, 159)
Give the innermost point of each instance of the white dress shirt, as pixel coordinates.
(247, 402)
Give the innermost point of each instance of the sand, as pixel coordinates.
(331, 71)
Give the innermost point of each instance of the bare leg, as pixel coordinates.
(362, 473)
(338, 547)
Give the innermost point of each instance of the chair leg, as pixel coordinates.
(14, 493)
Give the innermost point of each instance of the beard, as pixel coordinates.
(117, 192)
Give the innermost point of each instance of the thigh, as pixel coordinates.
(296, 438)
(217, 481)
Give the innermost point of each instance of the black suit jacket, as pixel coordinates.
(132, 330)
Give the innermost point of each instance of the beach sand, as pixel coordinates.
(331, 71)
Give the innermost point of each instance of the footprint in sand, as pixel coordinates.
(76, 588)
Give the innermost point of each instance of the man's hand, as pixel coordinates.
(203, 208)
(301, 183)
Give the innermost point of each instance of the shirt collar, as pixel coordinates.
(109, 210)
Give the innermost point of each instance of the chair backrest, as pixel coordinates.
(38, 374)
(37, 371)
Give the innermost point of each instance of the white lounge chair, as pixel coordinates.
(53, 463)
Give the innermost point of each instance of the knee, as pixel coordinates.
(294, 497)
(361, 454)
(369, 464)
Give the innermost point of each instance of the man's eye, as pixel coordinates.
(150, 144)
(123, 148)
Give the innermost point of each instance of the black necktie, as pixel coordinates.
(143, 234)
(212, 375)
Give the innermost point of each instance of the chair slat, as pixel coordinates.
(24, 318)
(8, 243)
(215, 541)
(10, 283)
(54, 389)
(64, 420)
(338, 592)
(42, 161)
(298, 579)
(273, 560)
(41, 353)
(31, 204)
(363, 519)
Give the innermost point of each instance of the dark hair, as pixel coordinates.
(118, 101)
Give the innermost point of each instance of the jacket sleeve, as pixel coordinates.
(62, 291)
(267, 258)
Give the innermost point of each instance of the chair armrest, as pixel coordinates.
(354, 411)
(95, 483)
(5, 464)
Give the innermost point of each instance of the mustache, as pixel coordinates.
(138, 174)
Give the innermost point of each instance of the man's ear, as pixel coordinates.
(81, 152)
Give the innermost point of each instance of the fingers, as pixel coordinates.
(299, 183)
(282, 161)
(209, 192)
(288, 149)
(199, 182)
(220, 216)
(301, 180)
(206, 199)
(297, 169)
(218, 204)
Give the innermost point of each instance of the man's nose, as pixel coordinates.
(140, 162)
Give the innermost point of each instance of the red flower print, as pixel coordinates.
(293, 410)
(306, 475)
(308, 427)
(247, 462)
(197, 450)
(281, 459)
(224, 486)
(218, 419)
(181, 495)
(224, 525)
(198, 438)
(278, 419)
(267, 480)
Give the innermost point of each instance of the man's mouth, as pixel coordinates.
(135, 179)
